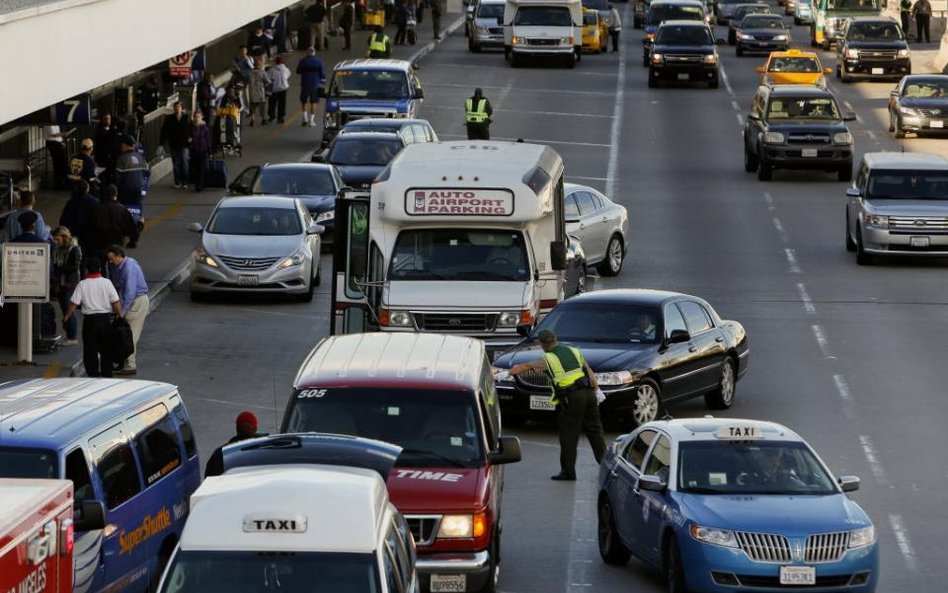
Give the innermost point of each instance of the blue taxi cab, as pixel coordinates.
(727, 505)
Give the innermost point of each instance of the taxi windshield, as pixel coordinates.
(603, 322)
(908, 185)
(370, 84)
(460, 254)
(671, 12)
(809, 65)
(199, 571)
(683, 35)
(802, 108)
(435, 428)
(255, 221)
(748, 467)
(299, 182)
(27, 463)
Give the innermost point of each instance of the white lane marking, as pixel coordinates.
(821, 340)
(808, 305)
(536, 140)
(740, 120)
(558, 90)
(781, 231)
(727, 83)
(552, 113)
(902, 540)
(735, 105)
(616, 131)
(842, 388)
(871, 134)
(769, 199)
(792, 260)
(874, 464)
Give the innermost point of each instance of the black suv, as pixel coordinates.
(684, 51)
(797, 127)
(874, 47)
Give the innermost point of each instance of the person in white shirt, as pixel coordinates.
(100, 302)
(56, 145)
(279, 76)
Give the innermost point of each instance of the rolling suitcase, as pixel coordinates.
(216, 175)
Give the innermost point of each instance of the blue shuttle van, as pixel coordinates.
(125, 443)
(370, 88)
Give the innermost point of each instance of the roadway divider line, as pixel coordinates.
(808, 305)
(526, 90)
(821, 340)
(511, 139)
(554, 113)
(615, 133)
(902, 540)
(780, 230)
(792, 260)
(874, 465)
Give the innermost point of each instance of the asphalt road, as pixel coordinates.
(850, 357)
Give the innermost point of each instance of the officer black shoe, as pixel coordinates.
(564, 477)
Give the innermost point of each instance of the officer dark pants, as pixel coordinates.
(921, 28)
(477, 131)
(906, 18)
(96, 349)
(579, 414)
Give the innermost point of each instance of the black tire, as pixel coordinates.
(731, 37)
(845, 78)
(611, 548)
(615, 256)
(674, 575)
(862, 258)
(850, 244)
(713, 83)
(739, 51)
(899, 132)
(494, 570)
(750, 161)
(891, 123)
(838, 70)
(473, 47)
(722, 397)
(765, 171)
(319, 276)
(645, 60)
(646, 403)
(652, 83)
(845, 173)
(307, 296)
(514, 60)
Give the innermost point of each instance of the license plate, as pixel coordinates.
(541, 402)
(919, 241)
(878, 70)
(808, 152)
(448, 583)
(797, 575)
(244, 280)
(936, 124)
(683, 77)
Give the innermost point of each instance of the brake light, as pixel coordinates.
(66, 537)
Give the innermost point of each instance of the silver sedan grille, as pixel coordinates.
(248, 264)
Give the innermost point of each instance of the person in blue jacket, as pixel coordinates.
(312, 76)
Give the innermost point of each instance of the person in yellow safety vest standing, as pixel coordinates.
(576, 396)
(477, 112)
(379, 44)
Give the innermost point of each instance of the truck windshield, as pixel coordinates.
(670, 12)
(853, 5)
(271, 572)
(802, 108)
(435, 428)
(543, 16)
(490, 11)
(460, 254)
(683, 35)
(28, 463)
(370, 84)
(908, 185)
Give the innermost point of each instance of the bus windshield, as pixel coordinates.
(460, 254)
(854, 5)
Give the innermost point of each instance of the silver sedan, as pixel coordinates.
(600, 224)
(259, 244)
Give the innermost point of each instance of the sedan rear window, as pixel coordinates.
(255, 221)
(908, 185)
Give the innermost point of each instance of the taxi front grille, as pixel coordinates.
(535, 379)
(826, 547)
(424, 528)
(764, 547)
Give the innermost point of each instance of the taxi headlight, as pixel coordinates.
(202, 257)
(509, 319)
(615, 378)
(862, 537)
(501, 375)
(852, 53)
(876, 220)
(842, 138)
(773, 138)
(327, 215)
(657, 58)
(715, 537)
(710, 59)
(904, 53)
(295, 259)
(456, 526)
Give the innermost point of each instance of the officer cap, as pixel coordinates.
(28, 218)
(546, 336)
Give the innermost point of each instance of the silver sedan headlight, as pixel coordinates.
(204, 258)
(297, 258)
(327, 215)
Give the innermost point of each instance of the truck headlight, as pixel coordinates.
(904, 53)
(773, 138)
(327, 215)
(852, 53)
(202, 257)
(657, 58)
(501, 375)
(842, 138)
(862, 537)
(295, 259)
(566, 40)
(715, 537)
(876, 220)
(456, 526)
(509, 319)
(517, 40)
(615, 378)
(710, 59)
(394, 318)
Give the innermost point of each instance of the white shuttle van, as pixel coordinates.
(543, 29)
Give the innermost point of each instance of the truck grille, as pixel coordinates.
(543, 41)
(871, 55)
(683, 59)
(764, 547)
(808, 138)
(925, 224)
(456, 322)
(826, 547)
(248, 263)
(534, 378)
(424, 528)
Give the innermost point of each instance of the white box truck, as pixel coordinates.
(551, 29)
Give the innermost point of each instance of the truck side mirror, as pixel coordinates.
(419, 93)
(558, 255)
(508, 452)
(89, 515)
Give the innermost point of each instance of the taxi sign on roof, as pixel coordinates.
(739, 432)
(275, 523)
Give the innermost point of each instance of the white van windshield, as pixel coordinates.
(543, 16)
(196, 571)
(460, 254)
(369, 84)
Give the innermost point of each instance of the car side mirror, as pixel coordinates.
(678, 336)
(760, 70)
(652, 483)
(849, 116)
(853, 192)
(508, 451)
(88, 515)
(720, 41)
(558, 255)
(523, 329)
(196, 227)
(827, 70)
(315, 229)
(753, 117)
(238, 188)
(848, 483)
(419, 93)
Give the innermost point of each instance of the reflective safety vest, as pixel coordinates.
(565, 365)
(478, 115)
(378, 43)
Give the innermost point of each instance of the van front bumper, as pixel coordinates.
(474, 566)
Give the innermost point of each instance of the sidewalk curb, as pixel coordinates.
(161, 291)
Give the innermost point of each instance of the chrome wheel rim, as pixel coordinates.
(646, 404)
(615, 254)
(727, 383)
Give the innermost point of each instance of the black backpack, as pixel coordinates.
(123, 345)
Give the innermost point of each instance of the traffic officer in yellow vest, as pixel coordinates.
(477, 112)
(380, 46)
(574, 395)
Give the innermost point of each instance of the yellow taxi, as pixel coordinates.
(793, 67)
(595, 32)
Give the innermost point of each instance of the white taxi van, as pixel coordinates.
(309, 528)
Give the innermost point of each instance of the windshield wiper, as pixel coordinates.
(433, 455)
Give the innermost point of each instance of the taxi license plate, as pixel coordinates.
(919, 241)
(541, 402)
(797, 575)
(808, 152)
(448, 583)
(244, 280)
(683, 76)
(878, 70)
(936, 124)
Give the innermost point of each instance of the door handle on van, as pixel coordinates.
(692, 349)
